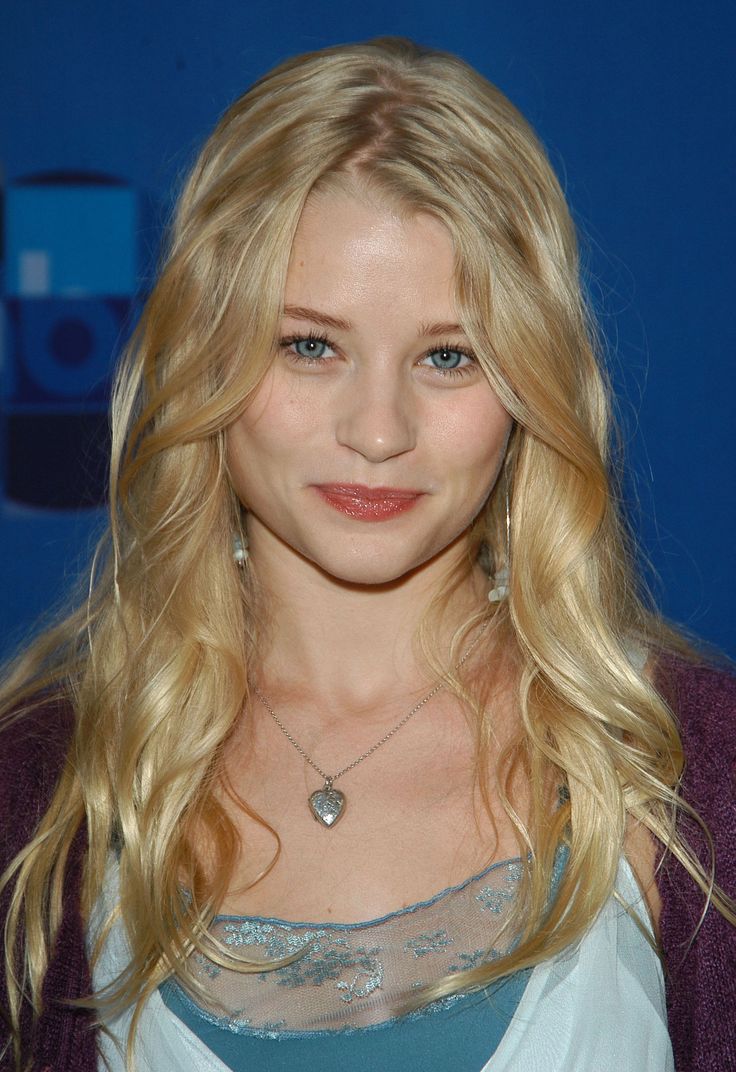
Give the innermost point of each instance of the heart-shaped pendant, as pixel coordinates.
(327, 805)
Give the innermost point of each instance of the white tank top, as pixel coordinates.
(599, 1007)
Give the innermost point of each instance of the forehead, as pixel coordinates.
(351, 246)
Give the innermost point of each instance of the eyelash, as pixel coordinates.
(453, 373)
(309, 337)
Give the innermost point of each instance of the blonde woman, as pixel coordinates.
(365, 750)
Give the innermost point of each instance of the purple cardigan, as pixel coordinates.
(700, 977)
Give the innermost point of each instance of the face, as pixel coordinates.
(375, 438)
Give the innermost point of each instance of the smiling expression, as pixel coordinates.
(375, 438)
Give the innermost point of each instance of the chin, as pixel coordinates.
(370, 569)
(365, 575)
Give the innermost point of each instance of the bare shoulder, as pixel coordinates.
(642, 852)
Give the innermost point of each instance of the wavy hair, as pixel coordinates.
(156, 664)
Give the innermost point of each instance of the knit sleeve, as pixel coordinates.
(33, 748)
(700, 957)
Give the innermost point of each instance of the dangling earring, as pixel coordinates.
(240, 549)
(500, 579)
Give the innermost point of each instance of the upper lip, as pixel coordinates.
(362, 491)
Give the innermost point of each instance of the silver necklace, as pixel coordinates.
(328, 804)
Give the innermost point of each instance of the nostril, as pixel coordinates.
(377, 421)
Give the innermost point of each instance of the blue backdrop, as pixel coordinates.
(634, 101)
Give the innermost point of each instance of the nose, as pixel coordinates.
(375, 416)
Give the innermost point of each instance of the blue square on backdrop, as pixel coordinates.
(70, 240)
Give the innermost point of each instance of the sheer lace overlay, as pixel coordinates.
(565, 1013)
(352, 976)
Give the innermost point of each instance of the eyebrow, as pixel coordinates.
(440, 327)
(302, 312)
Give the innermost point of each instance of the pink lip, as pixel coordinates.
(368, 504)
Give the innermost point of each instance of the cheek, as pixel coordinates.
(239, 456)
(273, 420)
(475, 437)
(266, 445)
(281, 413)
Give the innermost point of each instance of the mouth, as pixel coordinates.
(365, 503)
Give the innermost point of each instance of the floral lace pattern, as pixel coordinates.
(350, 976)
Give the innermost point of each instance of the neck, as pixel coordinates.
(351, 647)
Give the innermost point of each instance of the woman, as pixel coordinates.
(364, 749)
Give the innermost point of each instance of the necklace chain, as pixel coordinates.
(330, 779)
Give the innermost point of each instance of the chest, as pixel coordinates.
(414, 823)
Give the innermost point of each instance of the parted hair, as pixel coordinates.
(156, 662)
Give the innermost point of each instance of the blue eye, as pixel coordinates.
(307, 349)
(310, 347)
(448, 359)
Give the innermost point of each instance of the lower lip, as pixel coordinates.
(362, 509)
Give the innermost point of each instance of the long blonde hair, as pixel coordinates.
(156, 664)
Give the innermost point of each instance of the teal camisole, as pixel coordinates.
(339, 1004)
